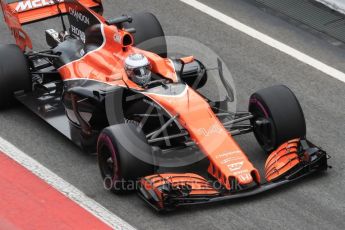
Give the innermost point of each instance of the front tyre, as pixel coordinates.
(117, 148)
(278, 117)
(14, 73)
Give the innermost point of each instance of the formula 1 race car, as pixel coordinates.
(103, 87)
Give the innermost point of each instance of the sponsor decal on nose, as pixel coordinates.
(235, 166)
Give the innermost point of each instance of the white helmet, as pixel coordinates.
(138, 69)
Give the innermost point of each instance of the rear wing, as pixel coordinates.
(22, 12)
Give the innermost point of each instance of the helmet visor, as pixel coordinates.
(140, 75)
(141, 71)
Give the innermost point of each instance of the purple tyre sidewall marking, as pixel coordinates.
(106, 140)
(260, 105)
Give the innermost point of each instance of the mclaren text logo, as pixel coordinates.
(32, 4)
(79, 16)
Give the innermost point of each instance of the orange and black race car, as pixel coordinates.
(110, 87)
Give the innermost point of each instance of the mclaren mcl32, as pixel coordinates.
(143, 112)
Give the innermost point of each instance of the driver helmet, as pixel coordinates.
(138, 69)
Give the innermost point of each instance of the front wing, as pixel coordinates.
(165, 192)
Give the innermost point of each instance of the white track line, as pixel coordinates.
(267, 40)
(64, 187)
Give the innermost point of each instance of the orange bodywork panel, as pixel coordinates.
(282, 160)
(106, 64)
(227, 160)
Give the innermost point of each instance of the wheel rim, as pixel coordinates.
(264, 133)
(109, 165)
(263, 126)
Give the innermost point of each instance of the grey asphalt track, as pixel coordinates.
(315, 203)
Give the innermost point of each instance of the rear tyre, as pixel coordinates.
(120, 167)
(278, 117)
(149, 34)
(14, 73)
